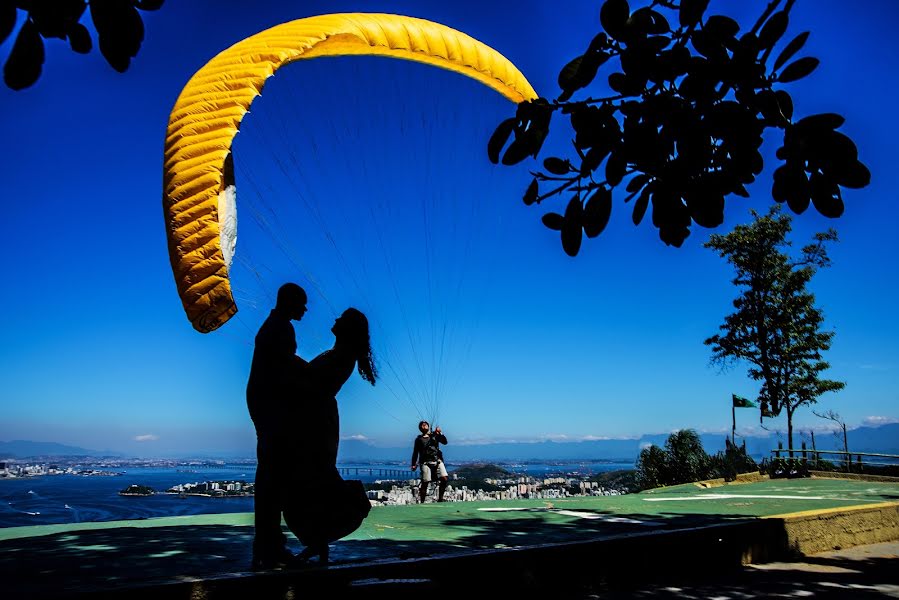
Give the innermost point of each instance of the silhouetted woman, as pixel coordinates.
(321, 506)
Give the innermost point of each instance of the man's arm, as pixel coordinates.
(415, 452)
(438, 435)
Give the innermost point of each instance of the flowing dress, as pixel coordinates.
(321, 506)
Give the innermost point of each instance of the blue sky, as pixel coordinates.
(353, 170)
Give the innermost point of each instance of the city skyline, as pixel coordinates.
(480, 323)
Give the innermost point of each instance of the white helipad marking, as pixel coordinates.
(606, 518)
(574, 513)
(730, 496)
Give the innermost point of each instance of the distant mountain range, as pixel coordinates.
(27, 449)
(883, 439)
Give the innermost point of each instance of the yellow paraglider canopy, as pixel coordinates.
(198, 183)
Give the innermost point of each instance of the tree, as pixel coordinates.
(680, 124)
(119, 26)
(687, 460)
(652, 468)
(776, 327)
(681, 461)
(836, 418)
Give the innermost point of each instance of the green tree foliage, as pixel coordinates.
(687, 461)
(652, 468)
(119, 26)
(680, 123)
(683, 460)
(775, 326)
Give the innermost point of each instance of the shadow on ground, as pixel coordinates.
(77, 562)
(814, 577)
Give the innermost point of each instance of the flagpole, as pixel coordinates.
(733, 432)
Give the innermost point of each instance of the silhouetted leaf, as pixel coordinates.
(798, 203)
(569, 72)
(7, 19)
(709, 212)
(624, 85)
(853, 175)
(530, 196)
(791, 49)
(838, 148)
(598, 43)
(821, 121)
(708, 45)
(579, 73)
(826, 196)
(773, 30)
(668, 210)
(766, 101)
(516, 152)
(640, 206)
(557, 166)
(553, 221)
(674, 235)
(798, 69)
(120, 31)
(785, 102)
(597, 211)
(149, 4)
(80, 39)
(53, 19)
(572, 227)
(721, 27)
(659, 24)
(593, 158)
(616, 168)
(637, 182)
(613, 16)
(23, 67)
(791, 186)
(499, 139)
(691, 11)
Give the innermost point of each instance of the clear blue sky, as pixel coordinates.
(364, 169)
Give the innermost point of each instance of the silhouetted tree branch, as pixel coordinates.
(683, 125)
(118, 23)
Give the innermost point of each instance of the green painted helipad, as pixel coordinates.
(58, 558)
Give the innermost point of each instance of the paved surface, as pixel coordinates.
(870, 571)
(46, 560)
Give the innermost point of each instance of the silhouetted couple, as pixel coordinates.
(293, 405)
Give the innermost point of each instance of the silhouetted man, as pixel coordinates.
(426, 450)
(273, 378)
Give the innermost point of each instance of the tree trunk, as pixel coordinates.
(789, 408)
(846, 448)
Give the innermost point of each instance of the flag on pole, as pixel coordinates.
(740, 402)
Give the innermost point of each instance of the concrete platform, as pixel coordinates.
(495, 547)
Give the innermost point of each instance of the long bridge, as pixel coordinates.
(371, 472)
(381, 472)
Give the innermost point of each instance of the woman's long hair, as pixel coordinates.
(361, 344)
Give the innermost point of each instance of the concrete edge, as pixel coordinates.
(813, 531)
(853, 476)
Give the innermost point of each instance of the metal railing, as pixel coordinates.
(844, 458)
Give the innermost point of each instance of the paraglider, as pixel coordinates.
(198, 180)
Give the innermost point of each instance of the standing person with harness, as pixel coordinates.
(426, 450)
